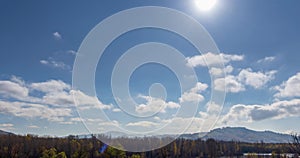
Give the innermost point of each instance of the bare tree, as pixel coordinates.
(295, 145)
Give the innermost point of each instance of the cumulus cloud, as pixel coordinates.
(193, 94)
(57, 35)
(229, 84)
(218, 72)
(210, 116)
(13, 90)
(86, 102)
(155, 105)
(250, 113)
(50, 86)
(212, 59)
(289, 88)
(246, 77)
(54, 102)
(255, 79)
(30, 110)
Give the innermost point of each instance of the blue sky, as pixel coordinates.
(259, 41)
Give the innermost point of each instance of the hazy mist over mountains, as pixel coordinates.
(239, 134)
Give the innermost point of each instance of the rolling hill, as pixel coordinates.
(245, 135)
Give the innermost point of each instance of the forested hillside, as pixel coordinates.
(73, 146)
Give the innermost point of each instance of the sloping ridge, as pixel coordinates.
(245, 135)
(4, 133)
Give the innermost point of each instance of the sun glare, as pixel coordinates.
(205, 5)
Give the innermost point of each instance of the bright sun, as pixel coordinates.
(205, 5)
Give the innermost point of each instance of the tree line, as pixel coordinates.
(31, 146)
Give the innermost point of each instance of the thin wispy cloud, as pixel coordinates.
(266, 59)
(6, 126)
(33, 126)
(55, 64)
(72, 52)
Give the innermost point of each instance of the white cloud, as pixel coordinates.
(239, 113)
(199, 87)
(93, 120)
(61, 99)
(232, 57)
(33, 126)
(289, 88)
(191, 97)
(17, 80)
(76, 119)
(210, 116)
(211, 59)
(177, 124)
(66, 122)
(250, 113)
(58, 93)
(255, 79)
(50, 86)
(85, 102)
(246, 77)
(193, 94)
(229, 84)
(105, 126)
(57, 35)
(266, 59)
(156, 118)
(155, 105)
(12, 89)
(55, 64)
(218, 72)
(73, 52)
(213, 108)
(112, 123)
(6, 126)
(116, 110)
(54, 103)
(142, 124)
(29, 110)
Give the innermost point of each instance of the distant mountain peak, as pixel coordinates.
(243, 134)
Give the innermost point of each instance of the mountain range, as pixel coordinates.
(239, 134)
